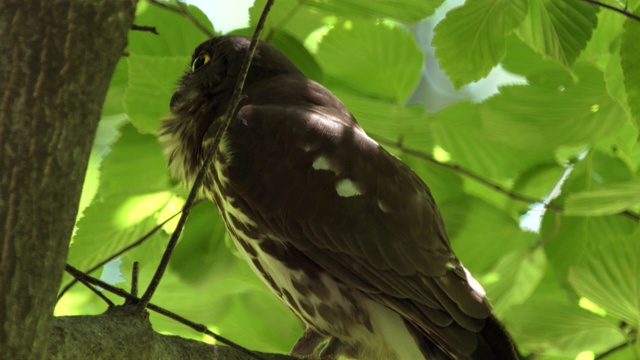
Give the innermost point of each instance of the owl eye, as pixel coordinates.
(200, 61)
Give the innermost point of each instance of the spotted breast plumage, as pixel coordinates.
(343, 232)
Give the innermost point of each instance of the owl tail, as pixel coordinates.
(494, 343)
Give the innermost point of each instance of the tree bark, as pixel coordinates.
(125, 333)
(56, 60)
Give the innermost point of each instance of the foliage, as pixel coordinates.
(571, 288)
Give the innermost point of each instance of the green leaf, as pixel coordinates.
(143, 155)
(522, 59)
(106, 134)
(459, 130)
(402, 10)
(470, 40)
(608, 200)
(554, 111)
(291, 16)
(615, 78)
(373, 59)
(600, 47)
(114, 102)
(555, 328)
(293, 49)
(384, 117)
(536, 182)
(202, 254)
(152, 81)
(127, 202)
(595, 170)
(237, 306)
(630, 58)
(111, 224)
(232, 302)
(514, 277)
(624, 148)
(610, 277)
(559, 29)
(568, 239)
(469, 219)
(177, 35)
(278, 334)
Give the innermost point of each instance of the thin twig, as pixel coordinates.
(235, 100)
(467, 173)
(542, 241)
(133, 299)
(193, 20)
(138, 242)
(135, 273)
(97, 292)
(150, 29)
(624, 11)
(631, 334)
(612, 351)
(182, 9)
(631, 215)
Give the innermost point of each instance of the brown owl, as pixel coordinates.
(344, 233)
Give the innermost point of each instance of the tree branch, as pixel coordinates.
(120, 252)
(486, 182)
(612, 351)
(122, 331)
(624, 11)
(151, 29)
(134, 301)
(467, 173)
(53, 87)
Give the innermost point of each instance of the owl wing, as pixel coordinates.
(331, 193)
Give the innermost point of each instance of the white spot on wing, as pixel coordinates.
(384, 208)
(307, 147)
(475, 285)
(322, 163)
(347, 188)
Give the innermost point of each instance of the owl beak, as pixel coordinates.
(175, 100)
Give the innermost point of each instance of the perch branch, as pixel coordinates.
(84, 278)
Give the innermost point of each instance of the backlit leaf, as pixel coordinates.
(630, 57)
(374, 59)
(470, 40)
(611, 199)
(610, 277)
(559, 29)
(148, 93)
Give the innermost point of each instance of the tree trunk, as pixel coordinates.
(56, 59)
